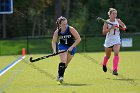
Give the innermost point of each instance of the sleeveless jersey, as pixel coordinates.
(66, 38)
(113, 36)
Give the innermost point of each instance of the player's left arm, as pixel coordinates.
(76, 36)
(121, 24)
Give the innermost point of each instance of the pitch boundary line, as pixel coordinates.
(4, 70)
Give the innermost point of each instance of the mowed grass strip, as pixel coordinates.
(83, 75)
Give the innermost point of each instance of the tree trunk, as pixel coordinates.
(4, 25)
(75, 5)
(67, 8)
(112, 3)
(58, 9)
(34, 26)
(39, 24)
(0, 26)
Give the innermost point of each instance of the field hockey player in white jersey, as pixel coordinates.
(112, 40)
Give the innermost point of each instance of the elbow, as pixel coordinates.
(79, 39)
(104, 33)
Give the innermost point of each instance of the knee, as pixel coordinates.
(64, 60)
(116, 54)
(108, 57)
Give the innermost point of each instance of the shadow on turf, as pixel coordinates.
(40, 70)
(68, 84)
(123, 78)
(131, 81)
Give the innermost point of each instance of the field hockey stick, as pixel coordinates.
(44, 57)
(105, 21)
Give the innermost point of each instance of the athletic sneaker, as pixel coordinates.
(61, 79)
(104, 68)
(115, 72)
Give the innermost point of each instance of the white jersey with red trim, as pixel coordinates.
(113, 36)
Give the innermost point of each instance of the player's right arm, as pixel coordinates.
(106, 29)
(54, 41)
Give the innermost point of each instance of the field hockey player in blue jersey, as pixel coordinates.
(69, 38)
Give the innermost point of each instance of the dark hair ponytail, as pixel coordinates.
(59, 20)
(57, 23)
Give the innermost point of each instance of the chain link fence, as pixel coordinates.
(41, 45)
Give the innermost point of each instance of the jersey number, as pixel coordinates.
(65, 41)
(114, 31)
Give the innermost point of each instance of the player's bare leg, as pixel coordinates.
(69, 57)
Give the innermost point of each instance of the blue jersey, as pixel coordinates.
(66, 38)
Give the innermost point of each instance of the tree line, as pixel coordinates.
(37, 17)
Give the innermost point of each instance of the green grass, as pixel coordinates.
(43, 45)
(83, 75)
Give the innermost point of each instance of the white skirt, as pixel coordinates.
(112, 41)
